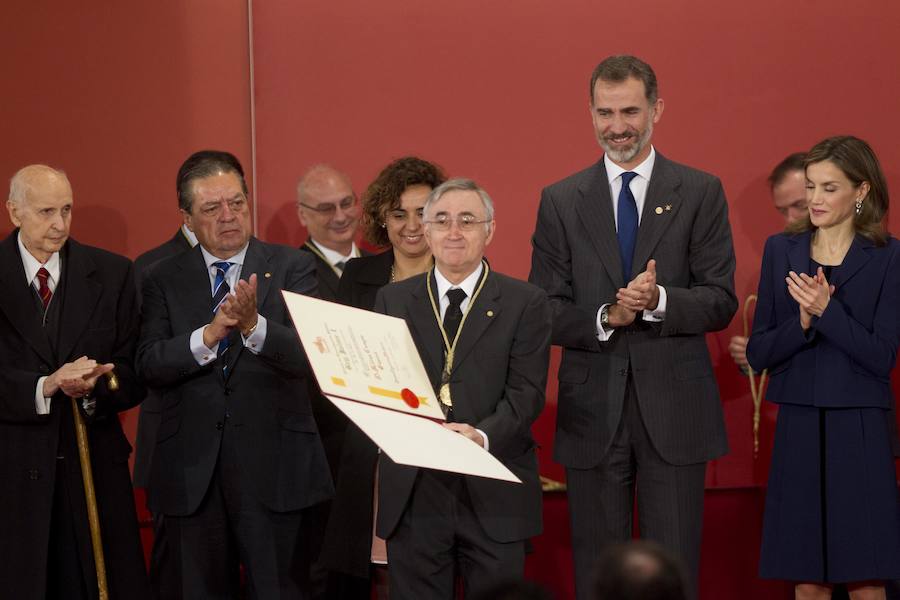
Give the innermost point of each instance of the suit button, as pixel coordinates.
(227, 391)
(34, 474)
(183, 373)
(219, 425)
(622, 372)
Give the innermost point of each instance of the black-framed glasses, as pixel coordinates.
(463, 222)
(329, 209)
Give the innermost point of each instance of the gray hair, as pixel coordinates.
(461, 184)
(25, 178)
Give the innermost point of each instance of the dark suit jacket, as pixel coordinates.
(98, 318)
(576, 260)
(264, 398)
(498, 385)
(851, 348)
(151, 407)
(363, 277)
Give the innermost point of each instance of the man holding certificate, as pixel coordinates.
(484, 340)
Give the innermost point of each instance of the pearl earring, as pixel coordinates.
(858, 206)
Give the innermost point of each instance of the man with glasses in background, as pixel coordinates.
(330, 211)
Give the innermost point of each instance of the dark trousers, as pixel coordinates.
(601, 500)
(439, 537)
(231, 528)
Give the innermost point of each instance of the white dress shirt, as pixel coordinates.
(333, 257)
(638, 188)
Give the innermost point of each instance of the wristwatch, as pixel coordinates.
(604, 317)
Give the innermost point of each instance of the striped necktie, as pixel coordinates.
(220, 290)
(43, 289)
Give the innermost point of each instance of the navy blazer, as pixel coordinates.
(846, 357)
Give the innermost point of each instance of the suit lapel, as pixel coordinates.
(594, 207)
(18, 303)
(480, 314)
(856, 259)
(257, 261)
(193, 289)
(425, 330)
(662, 193)
(798, 253)
(80, 296)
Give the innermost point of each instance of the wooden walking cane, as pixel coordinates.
(756, 388)
(90, 497)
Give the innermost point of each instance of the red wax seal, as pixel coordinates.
(409, 397)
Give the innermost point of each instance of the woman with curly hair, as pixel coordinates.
(392, 218)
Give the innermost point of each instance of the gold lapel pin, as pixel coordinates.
(490, 313)
(268, 275)
(659, 210)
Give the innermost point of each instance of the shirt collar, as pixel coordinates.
(237, 259)
(32, 265)
(467, 285)
(189, 235)
(333, 257)
(644, 170)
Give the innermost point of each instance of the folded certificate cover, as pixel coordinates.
(366, 364)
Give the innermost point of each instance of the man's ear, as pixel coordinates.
(13, 209)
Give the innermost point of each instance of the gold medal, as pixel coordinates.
(446, 400)
(450, 345)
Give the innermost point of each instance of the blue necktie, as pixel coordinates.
(627, 224)
(220, 290)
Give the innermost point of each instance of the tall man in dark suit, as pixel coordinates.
(237, 453)
(151, 408)
(330, 211)
(635, 254)
(67, 318)
(484, 339)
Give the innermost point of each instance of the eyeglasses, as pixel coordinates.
(329, 209)
(213, 210)
(463, 222)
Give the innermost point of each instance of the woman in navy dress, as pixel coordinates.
(827, 327)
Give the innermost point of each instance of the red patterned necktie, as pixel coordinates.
(43, 289)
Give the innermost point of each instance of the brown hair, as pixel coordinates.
(383, 194)
(616, 69)
(858, 162)
(793, 162)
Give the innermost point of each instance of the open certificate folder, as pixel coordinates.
(367, 365)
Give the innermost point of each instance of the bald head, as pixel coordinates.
(40, 205)
(36, 178)
(327, 207)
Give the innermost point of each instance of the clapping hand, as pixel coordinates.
(812, 293)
